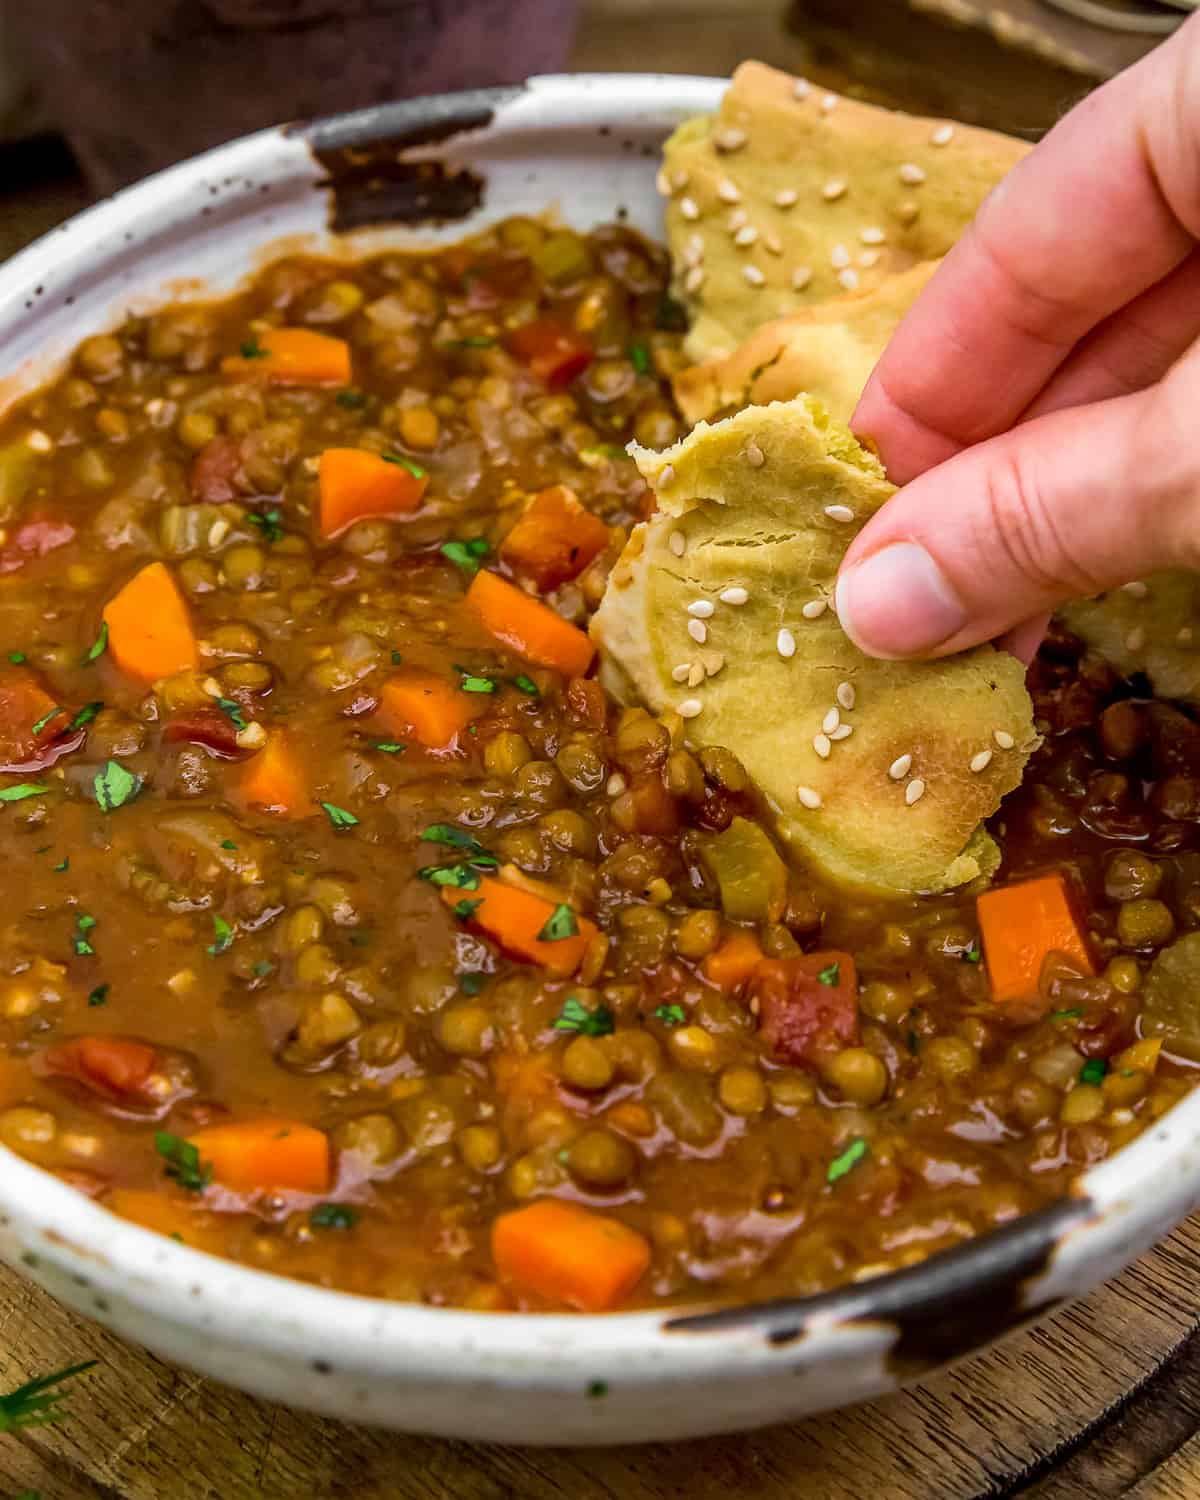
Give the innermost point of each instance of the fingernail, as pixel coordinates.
(897, 603)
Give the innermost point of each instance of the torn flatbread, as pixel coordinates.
(1150, 626)
(790, 195)
(878, 773)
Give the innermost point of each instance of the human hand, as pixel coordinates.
(1041, 402)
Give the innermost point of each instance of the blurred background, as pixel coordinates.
(97, 93)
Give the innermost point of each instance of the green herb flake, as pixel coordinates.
(973, 952)
(115, 786)
(470, 341)
(576, 1017)
(1093, 1071)
(472, 982)
(670, 1015)
(99, 646)
(460, 877)
(269, 522)
(22, 790)
(45, 719)
(228, 844)
(466, 555)
(464, 910)
(472, 684)
(350, 399)
(250, 348)
(222, 937)
(16, 657)
(639, 358)
(333, 1216)
(397, 658)
(560, 924)
(183, 1164)
(830, 975)
(232, 710)
(1067, 1015)
(454, 838)
(526, 685)
(402, 461)
(85, 716)
(846, 1160)
(597, 1388)
(388, 747)
(37, 1403)
(83, 925)
(63, 865)
(339, 817)
(261, 967)
(913, 1042)
(99, 996)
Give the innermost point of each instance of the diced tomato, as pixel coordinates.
(214, 470)
(24, 703)
(554, 353)
(807, 1007)
(38, 536)
(114, 1066)
(208, 727)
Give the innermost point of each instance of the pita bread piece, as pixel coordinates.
(1151, 626)
(790, 195)
(719, 610)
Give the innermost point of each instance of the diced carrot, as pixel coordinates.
(113, 1065)
(24, 704)
(247, 1155)
(149, 630)
(354, 484)
(730, 965)
(292, 356)
(564, 1253)
(274, 781)
(1021, 925)
(554, 539)
(432, 709)
(514, 918)
(528, 627)
(553, 353)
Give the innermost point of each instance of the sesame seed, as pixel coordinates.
(834, 189)
(687, 207)
(663, 183)
(848, 279)
(1135, 639)
(745, 236)
(734, 595)
(753, 275)
(942, 136)
(689, 708)
(693, 254)
(698, 631)
(677, 543)
(808, 798)
(681, 178)
(842, 732)
(981, 761)
(822, 746)
(728, 192)
(839, 257)
(900, 767)
(1003, 739)
(786, 198)
(873, 235)
(785, 643)
(736, 219)
(801, 276)
(828, 104)
(914, 791)
(841, 513)
(615, 784)
(731, 139)
(814, 609)
(714, 663)
(907, 210)
(831, 720)
(39, 441)
(846, 695)
(665, 476)
(801, 88)
(1136, 590)
(217, 532)
(680, 673)
(701, 609)
(755, 457)
(696, 676)
(869, 259)
(694, 279)
(695, 244)
(911, 174)
(773, 243)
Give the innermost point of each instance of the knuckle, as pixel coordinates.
(1018, 517)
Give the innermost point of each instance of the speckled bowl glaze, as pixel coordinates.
(416, 173)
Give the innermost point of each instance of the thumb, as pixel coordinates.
(1058, 508)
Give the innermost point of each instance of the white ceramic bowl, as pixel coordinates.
(588, 147)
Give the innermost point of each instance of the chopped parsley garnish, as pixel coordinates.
(16, 657)
(22, 790)
(846, 1160)
(339, 817)
(99, 996)
(670, 1015)
(63, 865)
(466, 555)
(454, 838)
(115, 786)
(597, 1388)
(459, 877)
(973, 952)
(671, 315)
(472, 982)
(251, 349)
(232, 710)
(269, 522)
(85, 715)
(1093, 1071)
(228, 844)
(526, 685)
(397, 658)
(402, 461)
(183, 1164)
(576, 1017)
(831, 974)
(595, 453)
(350, 399)
(37, 1403)
(464, 910)
(639, 358)
(1066, 1015)
(472, 684)
(913, 1042)
(261, 967)
(45, 719)
(83, 925)
(388, 747)
(470, 341)
(99, 646)
(560, 924)
(333, 1216)
(222, 937)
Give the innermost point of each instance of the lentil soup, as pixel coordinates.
(355, 933)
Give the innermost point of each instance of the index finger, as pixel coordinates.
(1105, 207)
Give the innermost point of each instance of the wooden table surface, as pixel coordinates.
(1102, 1400)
